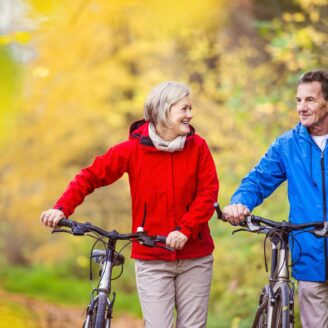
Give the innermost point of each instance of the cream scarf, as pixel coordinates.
(170, 146)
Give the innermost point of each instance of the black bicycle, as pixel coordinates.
(100, 309)
(276, 301)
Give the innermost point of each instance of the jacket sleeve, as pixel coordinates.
(104, 170)
(263, 179)
(201, 209)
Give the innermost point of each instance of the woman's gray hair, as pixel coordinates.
(160, 100)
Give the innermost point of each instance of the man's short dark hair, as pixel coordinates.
(319, 75)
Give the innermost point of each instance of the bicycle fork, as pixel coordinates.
(279, 286)
(106, 259)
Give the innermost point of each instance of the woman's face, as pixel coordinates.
(180, 116)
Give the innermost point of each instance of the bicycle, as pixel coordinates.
(276, 301)
(100, 309)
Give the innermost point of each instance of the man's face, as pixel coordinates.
(312, 107)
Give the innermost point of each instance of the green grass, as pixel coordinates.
(46, 284)
(51, 286)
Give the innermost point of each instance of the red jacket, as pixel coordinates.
(177, 190)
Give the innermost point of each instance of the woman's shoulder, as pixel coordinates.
(197, 142)
(121, 149)
(196, 138)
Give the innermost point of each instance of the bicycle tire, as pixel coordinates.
(101, 311)
(85, 325)
(90, 321)
(282, 311)
(261, 316)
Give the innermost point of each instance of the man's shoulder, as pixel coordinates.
(291, 134)
(286, 140)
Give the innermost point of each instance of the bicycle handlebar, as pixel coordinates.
(253, 224)
(79, 229)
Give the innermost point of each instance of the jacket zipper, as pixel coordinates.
(174, 254)
(324, 198)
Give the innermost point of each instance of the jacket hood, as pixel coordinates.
(139, 130)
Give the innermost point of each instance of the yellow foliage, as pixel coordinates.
(308, 4)
(82, 261)
(50, 253)
(298, 17)
(314, 16)
(13, 316)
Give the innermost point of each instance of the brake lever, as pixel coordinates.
(241, 229)
(167, 248)
(323, 232)
(61, 230)
(251, 226)
(151, 242)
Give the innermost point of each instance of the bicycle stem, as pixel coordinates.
(279, 262)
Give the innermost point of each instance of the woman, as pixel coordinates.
(173, 182)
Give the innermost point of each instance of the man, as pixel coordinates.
(299, 156)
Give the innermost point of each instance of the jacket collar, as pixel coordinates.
(303, 132)
(139, 130)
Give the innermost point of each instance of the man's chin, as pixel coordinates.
(305, 123)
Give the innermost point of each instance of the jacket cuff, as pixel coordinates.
(57, 207)
(185, 231)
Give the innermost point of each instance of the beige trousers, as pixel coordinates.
(182, 284)
(313, 299)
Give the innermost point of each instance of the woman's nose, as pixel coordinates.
(189, 113)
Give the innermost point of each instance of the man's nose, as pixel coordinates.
(301, 106)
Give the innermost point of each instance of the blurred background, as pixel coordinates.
(74, 76)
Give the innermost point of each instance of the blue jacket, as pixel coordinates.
(294, 157)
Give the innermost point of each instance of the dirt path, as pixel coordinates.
(48, 315)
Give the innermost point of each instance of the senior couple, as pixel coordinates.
(172, 174)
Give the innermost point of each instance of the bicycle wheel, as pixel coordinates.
(261, 316)
(101, 312)
(283, 311)
(90, 320)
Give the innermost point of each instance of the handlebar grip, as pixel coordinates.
(65, 223)
(161, 239)
(218, 211)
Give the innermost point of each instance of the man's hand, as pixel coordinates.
(235, 213)
(50, 218)
(176, 240)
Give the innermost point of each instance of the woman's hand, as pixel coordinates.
(176, 240)
(50, 218)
